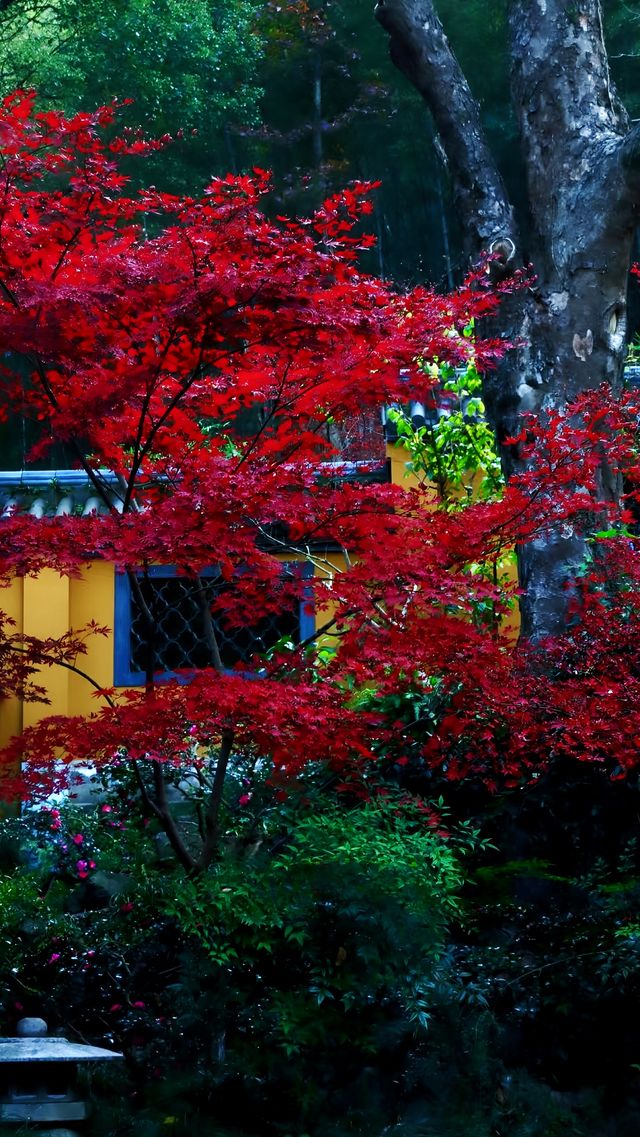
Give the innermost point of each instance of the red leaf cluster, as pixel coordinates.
(207, 355)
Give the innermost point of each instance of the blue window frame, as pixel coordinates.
(181, 644)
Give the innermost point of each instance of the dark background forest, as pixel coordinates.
(303, 89)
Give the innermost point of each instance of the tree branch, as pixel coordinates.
(212, 813)
(420, 49)
(162, 810)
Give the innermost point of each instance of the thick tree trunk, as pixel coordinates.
(583, 182)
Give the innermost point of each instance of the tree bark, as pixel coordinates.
(583, 189)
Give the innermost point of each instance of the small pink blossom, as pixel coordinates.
(53, 957)
(244, 799)
(106, 809)
(78, 839)
(138, 1003)
(115, 1007)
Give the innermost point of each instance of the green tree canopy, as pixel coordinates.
(187, 64)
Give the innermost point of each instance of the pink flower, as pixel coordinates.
(78, 839)
(138, 1003)
(128, 907)
(244, 799)
(106, 809)
(116, 1007)
(54, 957)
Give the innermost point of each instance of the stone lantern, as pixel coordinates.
(38, 1080)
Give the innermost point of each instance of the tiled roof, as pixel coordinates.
(51, 493)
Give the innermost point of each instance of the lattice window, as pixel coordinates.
(181, 642)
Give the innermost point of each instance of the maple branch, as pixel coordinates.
(296, 548)
(95, 477)
(144, 793)
(315, 635)
(212, 813)
(65, 249)
(163, 812)
(8, 293)
(50, 661)
(138, 455)
(209, 630)
(168, 411)
(275, 406)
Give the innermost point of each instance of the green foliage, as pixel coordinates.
(306, 955)
(633, 352)
(181, 60)
(339, 971)
(458, 452)
(187, 64)
(352, 910)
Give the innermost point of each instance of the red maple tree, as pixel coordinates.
(202, 361)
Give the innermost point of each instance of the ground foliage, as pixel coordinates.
(277, 977)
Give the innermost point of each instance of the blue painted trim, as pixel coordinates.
(123, 676)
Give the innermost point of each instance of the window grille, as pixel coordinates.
(181, 643)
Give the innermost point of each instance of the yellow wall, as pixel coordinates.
(398, 457)
(11, 602)
(49, 605)
(92, 598)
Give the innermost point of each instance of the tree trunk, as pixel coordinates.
(583, 188)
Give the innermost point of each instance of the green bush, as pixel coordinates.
(293, 976)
